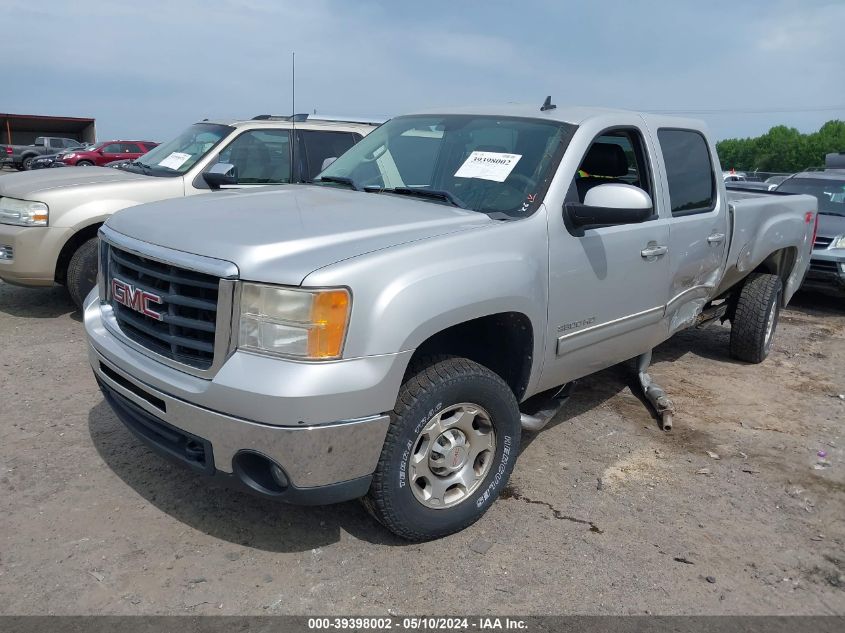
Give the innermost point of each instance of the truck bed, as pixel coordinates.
(766, 222)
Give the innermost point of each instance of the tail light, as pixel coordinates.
(814, 218)
(8, 150)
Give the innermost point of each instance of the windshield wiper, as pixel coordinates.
(829, 213)
(440, 194)
(144, 167)
(341, 180)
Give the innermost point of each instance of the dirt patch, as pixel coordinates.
(604, 514)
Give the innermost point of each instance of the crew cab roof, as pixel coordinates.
(575, 115)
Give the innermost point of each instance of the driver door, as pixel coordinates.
(607, 285)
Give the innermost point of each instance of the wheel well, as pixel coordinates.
(504, 343)
(780, 263)
(79, 238)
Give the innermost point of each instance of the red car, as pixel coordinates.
(106, 152)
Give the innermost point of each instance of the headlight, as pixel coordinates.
(308, 324)
(71, 155)
(838, 242)
(23, 212)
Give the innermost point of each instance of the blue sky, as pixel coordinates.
(147, 68)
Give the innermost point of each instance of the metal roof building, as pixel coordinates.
(22, 129)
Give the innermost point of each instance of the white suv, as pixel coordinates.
(49, 218)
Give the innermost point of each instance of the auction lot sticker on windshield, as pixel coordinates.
(175, 160)
(488, 166)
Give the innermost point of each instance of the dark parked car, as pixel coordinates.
(21, 156)
(107, 152)
(827, 263)
(55, 160)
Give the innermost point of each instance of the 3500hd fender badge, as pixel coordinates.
(135, 298)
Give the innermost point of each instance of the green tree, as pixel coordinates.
(782, 149)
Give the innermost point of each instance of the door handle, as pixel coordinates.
(716, 238)
(654, 251)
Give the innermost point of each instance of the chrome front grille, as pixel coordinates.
(183, 327)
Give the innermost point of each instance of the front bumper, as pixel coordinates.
(35, 251)
(826, 272)
(328, 461)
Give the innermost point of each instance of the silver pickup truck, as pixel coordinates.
(387, 331)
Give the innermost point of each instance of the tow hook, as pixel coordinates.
(654, 393)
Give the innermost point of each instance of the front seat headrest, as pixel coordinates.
(605, 159)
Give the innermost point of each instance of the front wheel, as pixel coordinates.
(755, 318)
(450, 449)
(84, 163)
(82, 271)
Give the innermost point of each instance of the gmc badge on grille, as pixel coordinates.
(135, 298)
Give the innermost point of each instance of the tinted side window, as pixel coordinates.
(689, 171)
(131, 148)
(112, 148)
(322, 145)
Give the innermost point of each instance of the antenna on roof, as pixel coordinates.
(547, 104)
(292, 115)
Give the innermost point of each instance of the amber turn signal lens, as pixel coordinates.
(329, 316)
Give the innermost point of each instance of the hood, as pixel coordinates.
(281, 234)
(831, 225)
(30, 185)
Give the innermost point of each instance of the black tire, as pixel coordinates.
(26, 163)
(755, 317)
(431, 386)
(82, 271)
(84, 163)
(19, 166)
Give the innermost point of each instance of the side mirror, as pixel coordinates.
(610, 204)
(221, 174)
(328, 162)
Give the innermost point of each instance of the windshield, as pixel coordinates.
(495, 165)
(830, 192)
(176, 157)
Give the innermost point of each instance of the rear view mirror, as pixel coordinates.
(609, 204)
(328, 162)
(221, 174)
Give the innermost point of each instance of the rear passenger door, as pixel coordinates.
(698, 226)
(131, 150)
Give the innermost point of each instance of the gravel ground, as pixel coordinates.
(731, 513)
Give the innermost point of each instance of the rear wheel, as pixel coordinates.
(452, 443)
(84, 163)
(26, 164)
(756, 317)
(82, 271)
